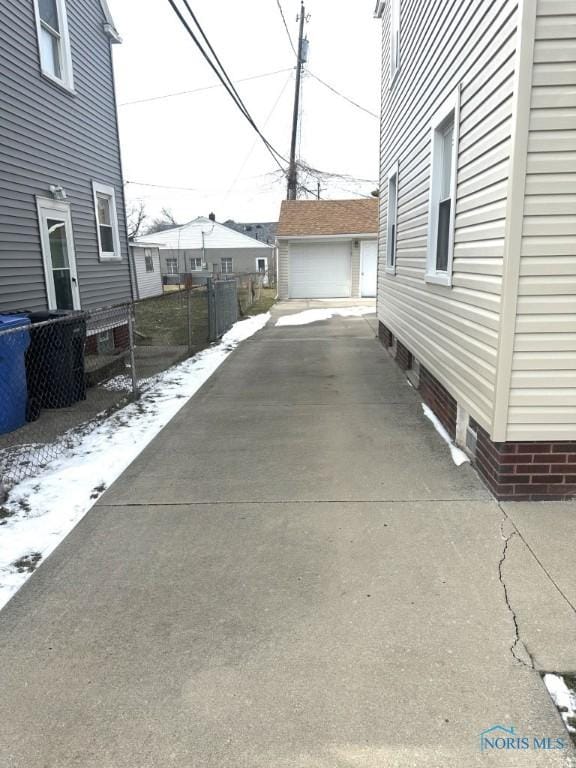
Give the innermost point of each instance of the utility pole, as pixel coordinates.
(302, 47)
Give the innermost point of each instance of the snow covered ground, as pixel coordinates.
(564, 698)
(315, 315)
(42, 510)
(458, 456)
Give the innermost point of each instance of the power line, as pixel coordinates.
(342, 96)
(275, 105)
(279, 4)
(204, 88)
(224, 79)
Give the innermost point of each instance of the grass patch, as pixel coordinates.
(163, 320)
(266, 301)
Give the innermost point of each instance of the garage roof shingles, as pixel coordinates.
(300, 218)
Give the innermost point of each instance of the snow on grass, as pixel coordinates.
(42, 510)
(315, 315)
(564, 698)
(458, 456)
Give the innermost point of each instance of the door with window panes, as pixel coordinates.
(58, 253)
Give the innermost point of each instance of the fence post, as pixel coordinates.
(135, 390)
(189, 301)
(212, 325)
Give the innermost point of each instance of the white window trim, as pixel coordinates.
(106, 189)
(67, 79)
(149, 254)
(170, 262)
(45, 207)
(391, 268)
(395, 29)
(193, 267)
(451, 105)
(222, 260)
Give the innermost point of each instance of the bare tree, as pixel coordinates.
(160, 223)
(136, 216)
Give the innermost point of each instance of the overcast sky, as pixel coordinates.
(201, 141)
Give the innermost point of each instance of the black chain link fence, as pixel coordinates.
(61, 373)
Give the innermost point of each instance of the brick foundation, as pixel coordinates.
(439, 400)
(385, 335)
(403, 356)
(518, 471)
(121, 337)
(513, 471)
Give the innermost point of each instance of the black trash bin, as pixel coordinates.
(55, 361)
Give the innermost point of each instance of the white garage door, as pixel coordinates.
(320, 270)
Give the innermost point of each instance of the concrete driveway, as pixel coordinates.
(294, 574)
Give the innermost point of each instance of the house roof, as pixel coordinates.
(300, 218)
(199, 233)
(264, 231)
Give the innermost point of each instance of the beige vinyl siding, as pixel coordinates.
(542, 402)
(356, 268)
(453, 331)
(282, 269)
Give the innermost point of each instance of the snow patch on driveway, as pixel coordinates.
(564, 698)
(458, 456)
(315, 315)
(41, 511)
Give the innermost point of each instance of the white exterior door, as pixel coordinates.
(320, 270)
(368, 267)
(262, 268)
(58, 253)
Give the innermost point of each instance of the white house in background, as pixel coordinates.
(203, 247)
(477, 257)
(327, 248)
(146, 270)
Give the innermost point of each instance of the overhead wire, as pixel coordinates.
(204, 88)
(279, 4)
(267, 120)
(342, 95)
(224, 78)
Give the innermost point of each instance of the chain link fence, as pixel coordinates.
(62, 373)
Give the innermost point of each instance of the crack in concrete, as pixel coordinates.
(518, 642)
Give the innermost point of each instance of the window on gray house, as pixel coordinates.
(53, 41)
(195, 264)
(172, 266)
(149, 260)
(226, 266)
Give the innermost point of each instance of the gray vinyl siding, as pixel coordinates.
(243, 260)
(50, 136)
(453, 331)
(543, 389)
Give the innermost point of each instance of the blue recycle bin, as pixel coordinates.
(13, 387)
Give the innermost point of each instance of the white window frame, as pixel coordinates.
(194, 264)
(395, 48)
(48, 208)
(451, 107)
(149, 254)
(172, 261)
(67, 79)
(391, 219)
(108, 191)
(227, 271)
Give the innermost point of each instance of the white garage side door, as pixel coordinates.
(320, 270)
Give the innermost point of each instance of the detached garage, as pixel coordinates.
(327, 249)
